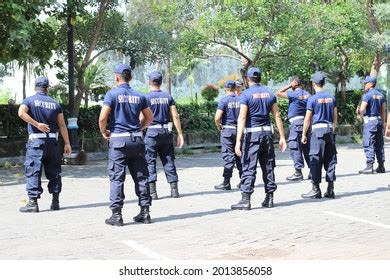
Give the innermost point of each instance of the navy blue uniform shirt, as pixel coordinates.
(322, 105)
(230, 105)
(297, 102)
(43, 109)
(160, 102)
(374, 100)
(126, 105)
(259, 100)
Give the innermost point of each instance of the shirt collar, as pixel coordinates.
(41, 93)
(125, 85)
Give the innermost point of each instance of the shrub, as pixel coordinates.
(209, 92)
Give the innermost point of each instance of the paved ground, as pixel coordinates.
(200, 224)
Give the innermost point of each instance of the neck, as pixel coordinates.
(122, 83)
(154, 88)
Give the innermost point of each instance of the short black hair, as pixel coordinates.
(126, 76)
(255, 79)
(156, 83)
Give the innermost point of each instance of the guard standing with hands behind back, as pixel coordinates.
(257, 102)
(373, 110)
(123, 106)
(321, 114)
(44, 117)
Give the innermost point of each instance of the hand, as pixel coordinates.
(282, 144)
(106, 134)
(43, 127)
(387, 133)
(237, 149)
(67, 149)
(304, 139)
(180, 141)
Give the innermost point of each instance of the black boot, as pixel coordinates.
(268, 201)
(368, 170)
(143, 216)
(380, 168)
(116, 218)
(153, 191)
(244, 203)
(314, 193)
(224, 186)
(55, 203)
(31, 206)
(330, 191)
(297, 176)
(309, 176)
(174, 190)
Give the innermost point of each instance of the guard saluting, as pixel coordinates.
(257, 102)
(158, 137)
(126, 147)
(44, 117)
(321, 114)
(297, 101)
(226, 121)
(373, 109)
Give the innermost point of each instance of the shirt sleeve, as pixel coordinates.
(60, 110)
(335, 102)
(221, 105)
(273, 99)
(244, 99)
(108, 100)
(290, 95)
(365, 97)
(26, 102)
(144, 102)
(310, 103)
(171, 101)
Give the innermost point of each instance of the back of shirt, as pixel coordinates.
(126, 105)
(322, 105)
(230, 105)
(374, 100)
(259, 100)
(43, 109)
(160, 103)
(297, 102)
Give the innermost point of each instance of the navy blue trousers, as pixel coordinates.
(42, 154)
(228, 143)
(299, 152)
(323, 153)
(373, 141)
(127, 152)
(258, 147)
(159, 141)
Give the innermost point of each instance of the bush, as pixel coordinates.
(347, 109)
(193, 119)
(209, 92)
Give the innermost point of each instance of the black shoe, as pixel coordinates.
(31, 206)
(314, 193)
(116, 218)
(153, 191)
(309, 176)
(239, 185)
(330, 191)
(244, 203)
(143, 216)
(224, 186)
(174, 190)
(380, 168)
(368, 170)
(268, 201)
(55, 203)
(297, 176)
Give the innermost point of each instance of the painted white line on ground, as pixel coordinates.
(143, 250)
(357, 219)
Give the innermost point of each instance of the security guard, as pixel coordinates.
(297, 101)
(226, 121)
(123, 106)
(44, 117)
(373, 110)
(238, 87)
(257, 102)
(158, 137)
(321, 114)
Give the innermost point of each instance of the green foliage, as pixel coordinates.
(209, 92)
(193, 119)
(5, 95)
(347, 109)
(60, 93)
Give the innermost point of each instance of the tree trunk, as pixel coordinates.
(343, 74)
(168, 79)
(80, 91)
(24, 79)
(375, 28)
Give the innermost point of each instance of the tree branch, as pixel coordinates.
(100, 53)
(98, 27)
(233, 49)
